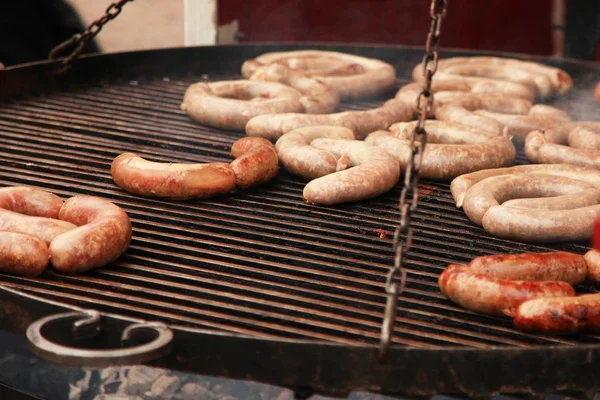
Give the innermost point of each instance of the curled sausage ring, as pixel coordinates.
(231, 104)
(350, 75)
(452, 149)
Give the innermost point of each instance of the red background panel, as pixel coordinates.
(522, 26)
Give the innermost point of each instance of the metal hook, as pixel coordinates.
(44, 348)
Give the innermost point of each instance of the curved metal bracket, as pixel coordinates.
(87, 326)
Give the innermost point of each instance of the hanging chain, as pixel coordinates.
(396, 278)
(79, 40)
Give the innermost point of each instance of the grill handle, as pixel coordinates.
(87, 325)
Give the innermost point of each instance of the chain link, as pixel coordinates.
(396, 278)
(79, 40)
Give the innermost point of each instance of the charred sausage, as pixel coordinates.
(22, 254)
(171, 180)
(482, 294)
(103, 233)
(32, 211)
(256, 161)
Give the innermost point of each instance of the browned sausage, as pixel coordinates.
(561, 315)
(22, 254)
(273, 126)
(170, 180)
(592, 258)
(452, 149)
(483, 294)
(319, 98)
(552, 266)
(300, 158)
(255, 162)
(32, 211)
(230, 104)
(338, 70)
(103, 233)
(462, 184)
(373, 172)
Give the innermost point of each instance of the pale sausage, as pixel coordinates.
(372, 172)
(300, 158)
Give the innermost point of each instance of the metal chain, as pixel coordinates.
(79, 40)
(396, 278)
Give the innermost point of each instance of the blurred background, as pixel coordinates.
(569, 28)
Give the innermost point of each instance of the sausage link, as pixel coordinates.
(256, 161)
(539, 150)
(300, 158)
(519, 125)
(103, 233)
(561, 315)
(583, 138)
(552, 266)
(592, 258)
(273, 126)
(171, 180)
(462, 184)
(31, 211)
(350, 75)
(230, 104)
(319, 98)
(447, 143)
(373, 172)
(544, 110)
(514, 69)
(22, 254)
(496, 190)
(463, 110)
(483, 294)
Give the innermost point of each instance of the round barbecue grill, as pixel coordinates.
(257, 284)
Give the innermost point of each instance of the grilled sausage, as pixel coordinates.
(255, 162)
(496, 190)
(170, 180)
(373, 172)
(32, 211)
(462, 184)
(350, 75)
(273, 126)
(561, 315)
(300, 158)
(583, 138)
(103, 233)
(544, 110)
(22, 254)
(318, 97)
(230, 104)
(520, 125)
(463, 110)
(552, 266)
(510, 68)
(592, 258)
(483, 294)
(452, 149)
(539, 150)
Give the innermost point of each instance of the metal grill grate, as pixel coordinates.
(259, 262)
